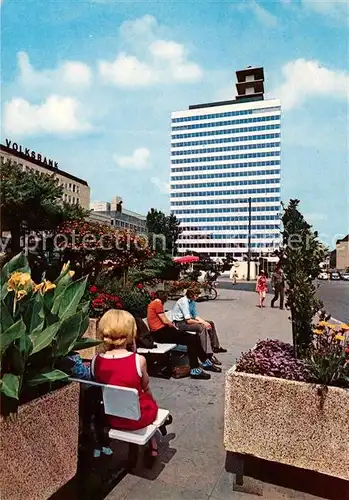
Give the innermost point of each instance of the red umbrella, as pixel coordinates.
(186, 259)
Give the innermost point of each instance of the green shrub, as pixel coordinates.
(40, 324)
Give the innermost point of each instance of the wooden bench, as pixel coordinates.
(124, 402)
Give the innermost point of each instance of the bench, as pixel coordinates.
(124, 402)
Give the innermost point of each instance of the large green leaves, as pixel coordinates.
(10, 385)
(6, 319)
(71, 298)
(85, 343)
(34, 315)
(13, 333)
(42, 339)
(70, 331)
(47, 376)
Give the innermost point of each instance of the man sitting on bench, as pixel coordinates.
(185, 317)
(164, 331)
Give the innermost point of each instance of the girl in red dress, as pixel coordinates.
(117, 366)
(262, 288)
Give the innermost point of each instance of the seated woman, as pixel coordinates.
(117, 366)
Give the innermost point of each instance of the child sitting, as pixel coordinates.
(118, 366)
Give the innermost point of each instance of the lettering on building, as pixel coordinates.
(32, 155)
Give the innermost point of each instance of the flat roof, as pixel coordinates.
(248, 97)
(242, 73)
(22, 156)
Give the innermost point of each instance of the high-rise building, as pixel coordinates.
(224, 154)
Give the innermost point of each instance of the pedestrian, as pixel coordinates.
(233, 275)
(278, 284)
(262, 288)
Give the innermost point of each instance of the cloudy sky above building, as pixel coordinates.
(92, 84)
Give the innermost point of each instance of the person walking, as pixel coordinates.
(278, 284)
(262, 288)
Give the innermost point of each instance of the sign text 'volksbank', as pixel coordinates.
(17, 148)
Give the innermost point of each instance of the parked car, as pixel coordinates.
(323, 276)
(335, 276)
(345, 276)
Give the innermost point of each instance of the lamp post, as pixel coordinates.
(249, 239)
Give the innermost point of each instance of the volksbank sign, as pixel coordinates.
(32, 155)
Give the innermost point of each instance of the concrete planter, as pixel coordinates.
(289, 422)
(92, 332)
(39, 447)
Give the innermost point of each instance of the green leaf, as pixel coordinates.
(86, 343)
(61, 283)
(44, 338)
(72, 328)
(6, 319)
(49, 376)
(71, 298)
(35, 314)
(11, 334)
(10, 385)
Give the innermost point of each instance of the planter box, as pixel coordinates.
(92, 332)
(287, 422)
(39, 448)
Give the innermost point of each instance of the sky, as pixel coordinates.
(92, 84)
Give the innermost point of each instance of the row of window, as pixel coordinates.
(243, 236)
(243, 182)
(228, 131)
(226, 157)
(218, 175)
(225, 210)
(70, 186)
(239, 147)
(226, 192)
(239, 121)
(225, 114)
(260, 244)
(71, 199)
(229, 227)
(224, 166)
(224, 201)
(237, 218)
(226, 139)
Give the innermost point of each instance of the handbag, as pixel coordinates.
(181, 371)
(143, 337)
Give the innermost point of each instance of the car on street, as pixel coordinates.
(323, 276)
(345, 276)
(335, 276)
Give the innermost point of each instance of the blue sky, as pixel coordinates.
(92, 84)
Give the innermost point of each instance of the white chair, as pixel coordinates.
(124, 402)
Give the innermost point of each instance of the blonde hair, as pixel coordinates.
(117, 328)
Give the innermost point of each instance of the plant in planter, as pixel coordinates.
(102, 302)
(40, 324)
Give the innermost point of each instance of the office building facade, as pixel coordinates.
(222, 155)
(75, 191)
(115, 215)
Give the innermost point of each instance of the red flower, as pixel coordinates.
(140, 286)
(93, 289)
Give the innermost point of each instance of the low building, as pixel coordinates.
(342, 253)
(117, 216)
(75, 190)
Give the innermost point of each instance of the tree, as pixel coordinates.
(31, 201)
(300, 258)
(167, 226)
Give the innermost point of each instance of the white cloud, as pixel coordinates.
(56, 115)
(138, 160)
(68, 74)
(163, 187)
(304, 79)
(261, 13)
(335, 8)
(155, 60)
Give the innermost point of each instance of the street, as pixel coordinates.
(335, 296)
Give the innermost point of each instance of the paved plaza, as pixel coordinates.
(192, 456)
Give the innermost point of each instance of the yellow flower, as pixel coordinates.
(339, 337)
(323, 323)
(48, 286)
(344, 326)
(20, 294)
(18, 280)
(44, 287)
(318, 332)
(71, 273)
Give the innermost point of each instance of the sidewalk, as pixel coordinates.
(191, 461)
